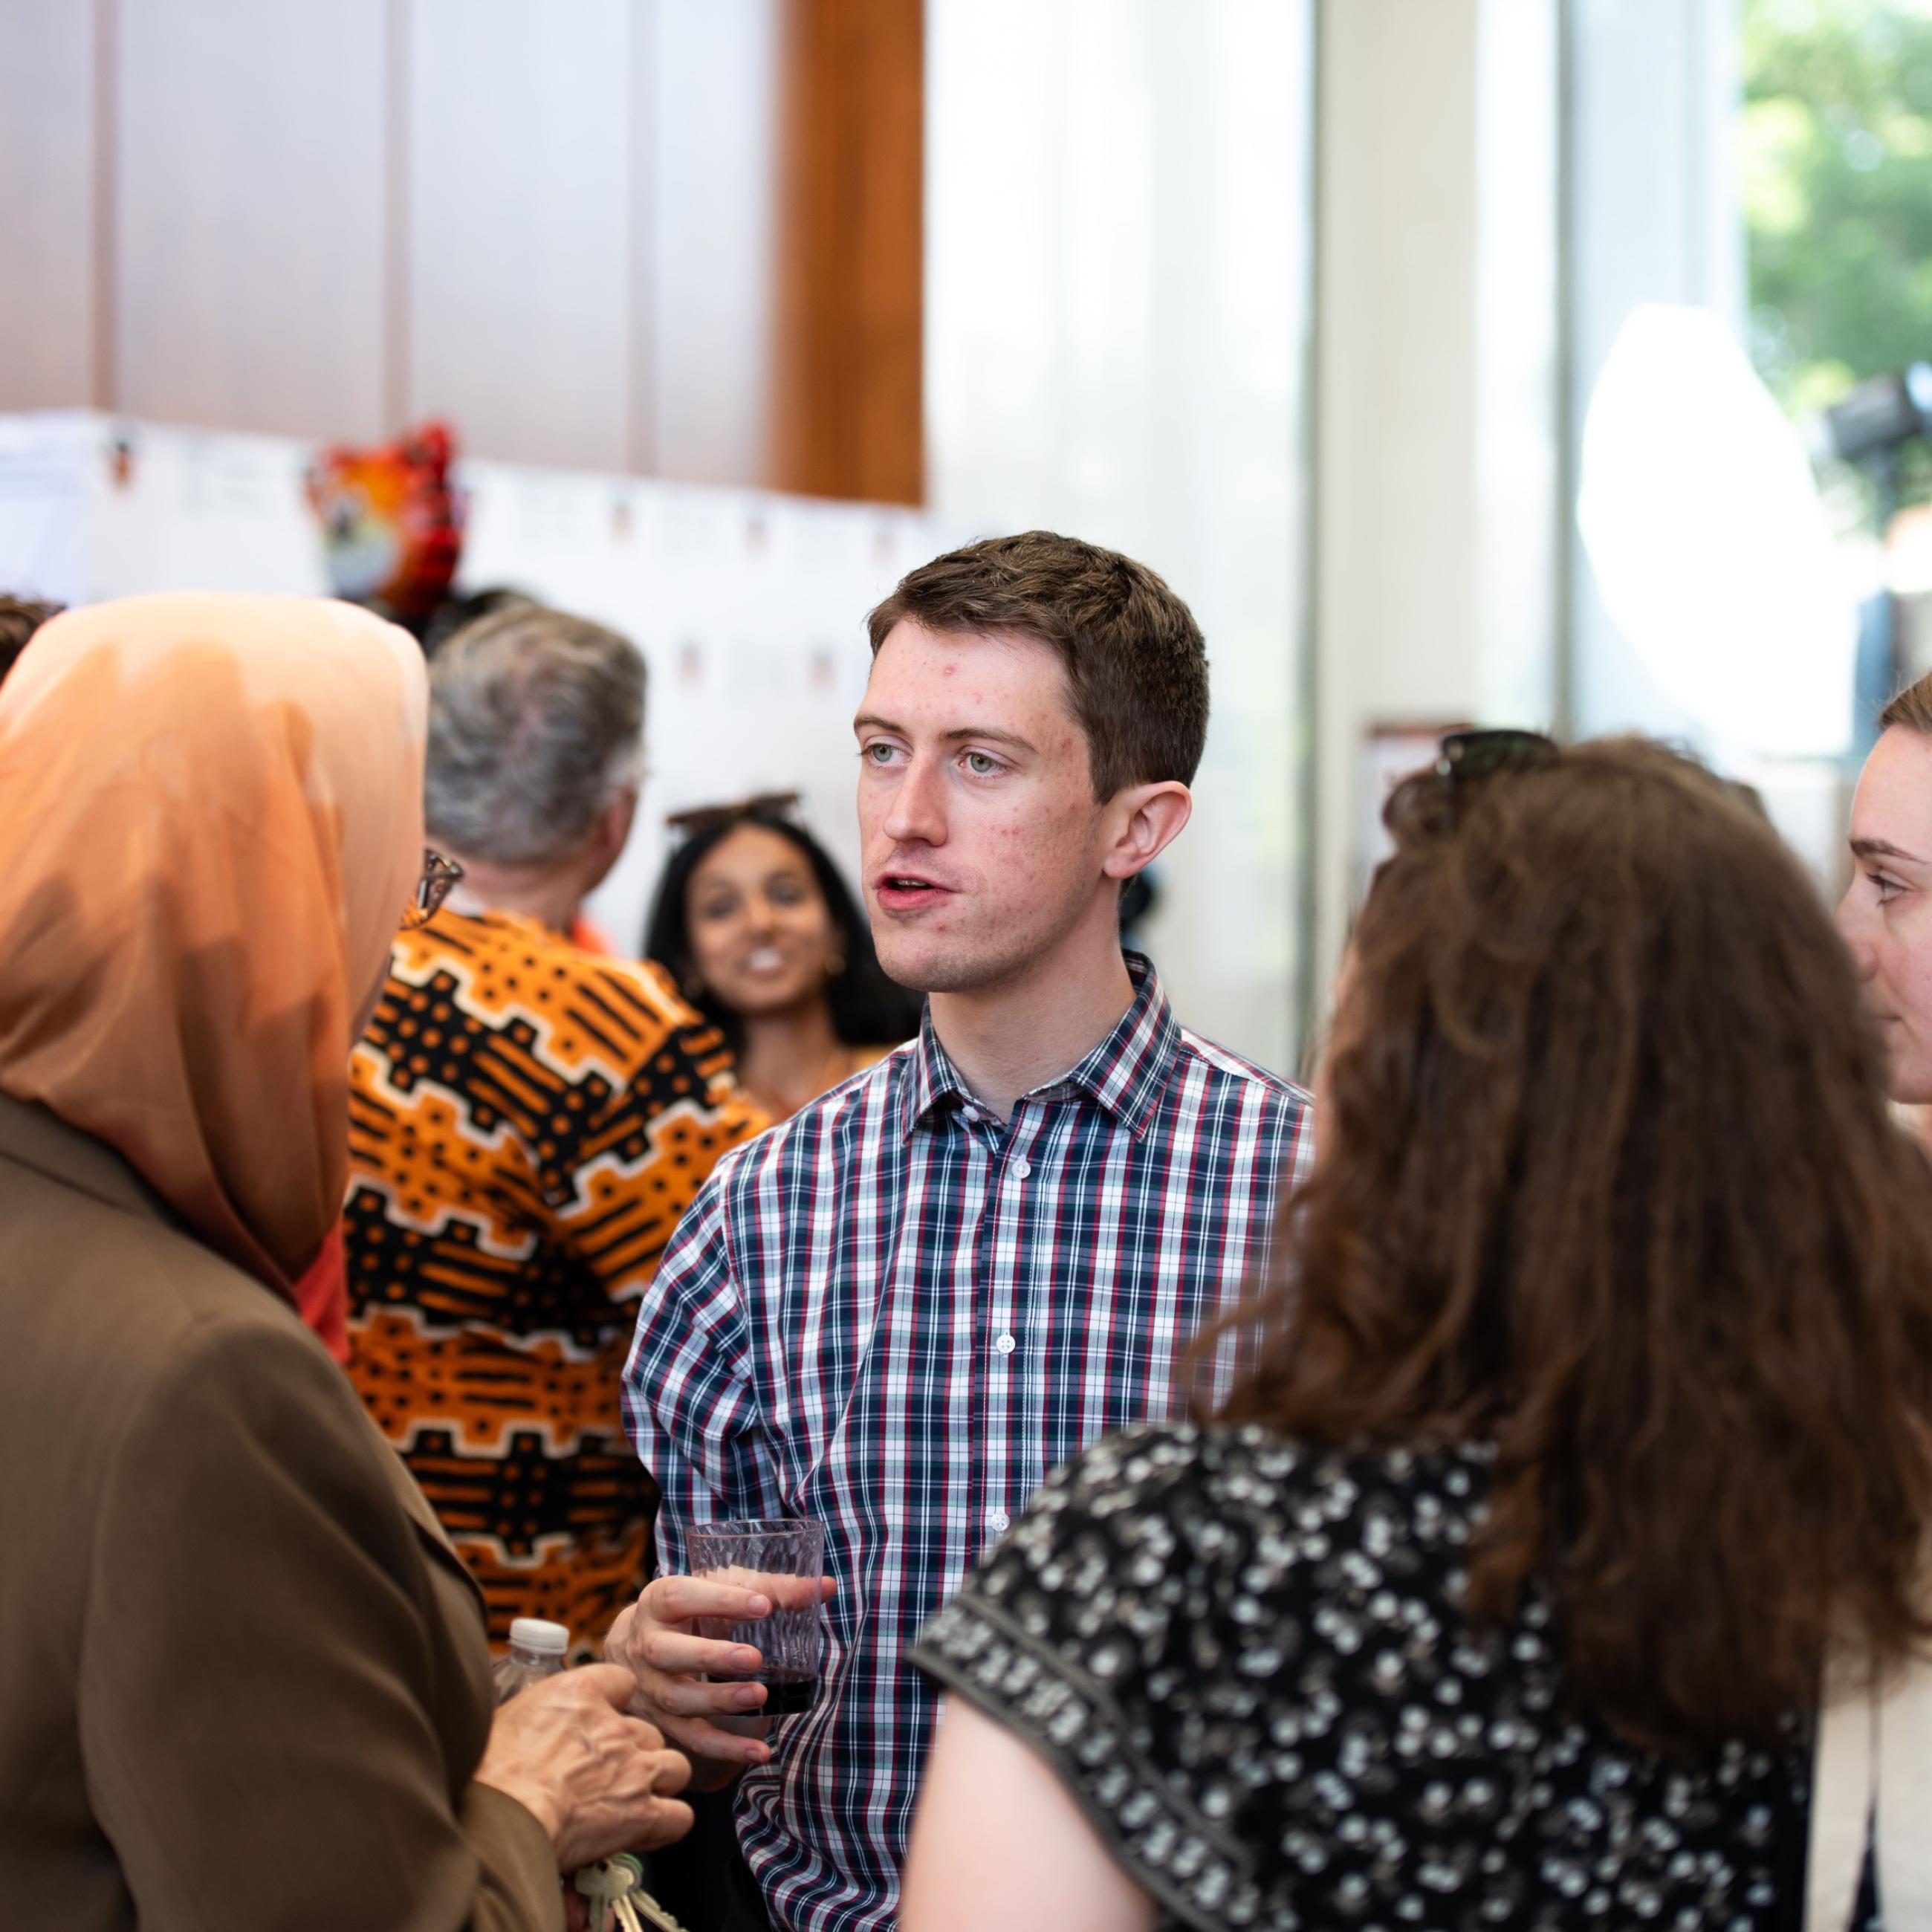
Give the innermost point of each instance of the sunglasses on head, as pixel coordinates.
(1464, 757)
(703, 818)
(1427, 801)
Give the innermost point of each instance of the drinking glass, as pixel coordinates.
(783, 1561)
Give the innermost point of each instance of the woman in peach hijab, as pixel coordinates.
(243, 1680)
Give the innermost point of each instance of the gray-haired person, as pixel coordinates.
(536, 755)
(528, 1118)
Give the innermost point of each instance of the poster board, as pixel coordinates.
(749, 607)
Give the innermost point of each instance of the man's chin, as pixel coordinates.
(923, 969)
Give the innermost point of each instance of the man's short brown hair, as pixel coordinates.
(20, 617)
(1912, 708)
(1134, 658)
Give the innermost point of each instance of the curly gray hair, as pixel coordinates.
(536, 721)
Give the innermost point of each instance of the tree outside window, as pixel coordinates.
(1837, 182)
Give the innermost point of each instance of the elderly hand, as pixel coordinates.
(597, 1779)
(655, 1640)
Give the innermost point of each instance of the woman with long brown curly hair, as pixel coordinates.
(1592, 1404)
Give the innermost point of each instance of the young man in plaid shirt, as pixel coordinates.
(896, 1312)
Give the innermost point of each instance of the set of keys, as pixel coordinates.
(615, 1890)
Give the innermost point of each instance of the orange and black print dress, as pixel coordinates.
(527, 1121)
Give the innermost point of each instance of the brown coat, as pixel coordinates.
(243, 1679)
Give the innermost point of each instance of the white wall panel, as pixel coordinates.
(710, 218)
(519, 169)
(1436, 399)
(249, 198)
(555, 225)
(1118, 217)
(46, 203)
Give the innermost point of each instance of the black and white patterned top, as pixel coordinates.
(1248, 1660)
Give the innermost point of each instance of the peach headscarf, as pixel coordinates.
(210, 819)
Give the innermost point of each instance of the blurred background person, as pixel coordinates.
(1592, 1404)
(527, 1122)
(762, 935)
(1885, 915)
(243, 1678)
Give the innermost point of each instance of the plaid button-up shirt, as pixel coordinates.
(895, 1314)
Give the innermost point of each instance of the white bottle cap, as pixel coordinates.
(538, 1634)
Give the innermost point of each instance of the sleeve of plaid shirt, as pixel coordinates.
(690, 1404)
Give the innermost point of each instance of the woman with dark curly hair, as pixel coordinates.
(1589, 1408)
(753, 921)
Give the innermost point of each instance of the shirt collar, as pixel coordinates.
(1124, 1075)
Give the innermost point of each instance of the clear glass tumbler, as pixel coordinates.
(784, 1562)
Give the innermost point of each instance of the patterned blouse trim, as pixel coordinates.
(1197, 1874)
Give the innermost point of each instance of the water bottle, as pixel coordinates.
(536, 1652)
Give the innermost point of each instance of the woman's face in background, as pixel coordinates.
(1886, 913)
(762, 938)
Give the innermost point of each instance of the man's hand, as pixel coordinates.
(656, 1640)
(595, 1777)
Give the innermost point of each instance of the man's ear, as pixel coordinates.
(614, 829)
(608, 834)
(1146, 820)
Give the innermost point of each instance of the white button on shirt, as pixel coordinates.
(999, 1520)
(1020, 1169)
(1005, 1344)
